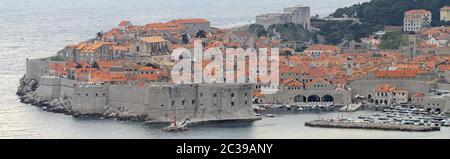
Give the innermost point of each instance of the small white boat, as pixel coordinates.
(270, 115)
(257, 114)
(178, 126)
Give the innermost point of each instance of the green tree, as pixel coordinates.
(57, 58)
(291, 32)
(201, 34)
(257, 30)
(95, 65)
(99, 35)
(184, 39)
(393, 41)
(79, 66)
(390, 12)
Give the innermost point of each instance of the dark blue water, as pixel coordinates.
(35, 29)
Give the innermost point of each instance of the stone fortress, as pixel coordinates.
(297, 15)
(153, 102)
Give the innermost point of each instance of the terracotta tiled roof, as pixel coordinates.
(396, 73)
(146, 68)
(104, 64)
(417, 95)
(446, 8)
(190, 21)
(417, 11)
(89, 47)
(292, 82)
(101, 76)
(124, 23)
(331, 48)
(385, 88)
(153, 39)
(164, 26)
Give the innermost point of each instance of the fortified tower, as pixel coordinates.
(300, 15)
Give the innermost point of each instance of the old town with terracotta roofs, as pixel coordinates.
(311, 74)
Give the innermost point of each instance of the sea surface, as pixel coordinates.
(39, 28)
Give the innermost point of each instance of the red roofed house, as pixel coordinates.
(123, 25)
(87, 51)
(292, 84)
(318, 50)
(193, 26)
(387, 95)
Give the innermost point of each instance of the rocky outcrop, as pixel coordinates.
(27, 92)
(122, 113)
(27, 85)
(57, 105)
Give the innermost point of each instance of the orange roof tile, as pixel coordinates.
(417, 11)
(396, 73)
(330, 48)
(292, 82)
(385, 88)
(417, 95)
(190, 21)
(446, 8)
(317, 80)
(153, 39)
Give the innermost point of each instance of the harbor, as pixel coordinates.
(395, 118)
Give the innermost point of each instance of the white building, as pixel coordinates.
(414, 20)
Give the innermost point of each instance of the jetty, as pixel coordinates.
(368, 125)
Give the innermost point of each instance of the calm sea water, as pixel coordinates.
(35, 29)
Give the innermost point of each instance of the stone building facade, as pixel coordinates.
(445, 13)
(414, 20)
(88, 51)
(150, 46)
(297, 15)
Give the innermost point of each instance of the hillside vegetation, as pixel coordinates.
(373, 15)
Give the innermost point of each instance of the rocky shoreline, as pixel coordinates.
(27, 91)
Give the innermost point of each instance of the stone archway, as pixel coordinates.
(369, 98)
(328, 98)
(437, 110)
(313, 98)
(300, 99)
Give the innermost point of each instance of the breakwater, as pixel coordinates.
(367, 125)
